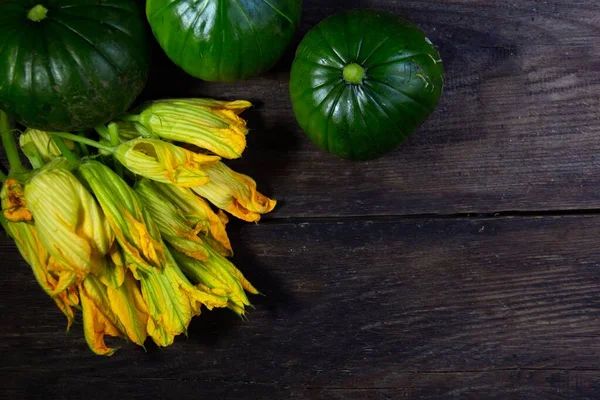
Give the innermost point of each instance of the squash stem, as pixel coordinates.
(66, 152)
(130, 117)
(113, 132)
(86, 141)
(10, 145)
(3, 176)
(37, 13)
(354, 74)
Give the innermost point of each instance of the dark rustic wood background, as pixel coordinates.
(465, 265)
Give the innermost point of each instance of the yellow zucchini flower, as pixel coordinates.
(220, 276)
(69, 222)
(53, 281)
(234, 193)
(193, 255)
(128, 304)
(125, 297)
(173, 301)
(199, 216)
(112, 304)
(137, 235)
(164, 162)
(188, 237)
(38, 258)
(209, 124)
(39, 148)
(98, 318)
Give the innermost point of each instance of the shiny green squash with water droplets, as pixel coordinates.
(224, 40)
(363, 81)
(71, 64)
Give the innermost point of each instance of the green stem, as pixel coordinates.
(10, 145)
(84, 150)
(3, 177)
(130, 117)
(113, 132)
(103, 132)
(86, 141)
(66, 152)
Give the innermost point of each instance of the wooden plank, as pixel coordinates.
(517, 129)
(375, 308)
(499, 385)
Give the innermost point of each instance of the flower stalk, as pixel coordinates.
(84, 140)
(65, 151)
(10, 146)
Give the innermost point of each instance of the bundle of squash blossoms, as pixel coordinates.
(120, 223)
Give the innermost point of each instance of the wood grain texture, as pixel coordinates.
(366, 298)
(387, 308)
(517, 128)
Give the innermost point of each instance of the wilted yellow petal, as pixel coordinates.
(169, 308)
(36, 255)
(241, 311)
(113, 275)
(98, 319)
(147, 245)
(164, 162)
(136, 233)
(234, 193)
(218, 274)
(13, 202)
(65, 302)
(248, 287)
(197, 297)
(199, 216)
(128, 305)
(172, 302)
(64, 276)
(69, 222)
(32, 250)
(218, 232)
(236, 106)
(171, 222)
(209, 124)
(159, 304)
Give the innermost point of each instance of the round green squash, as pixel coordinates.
(71, 64)
(363, 81)
(224, 40)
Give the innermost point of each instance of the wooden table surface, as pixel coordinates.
(465, 265)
